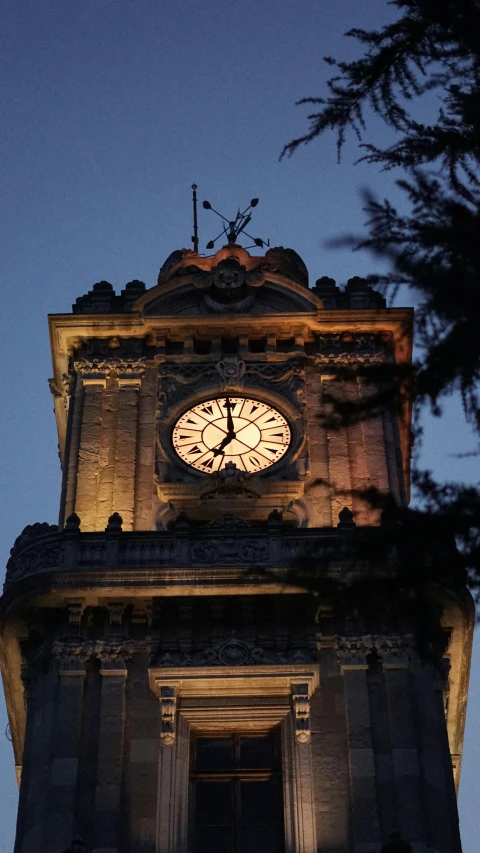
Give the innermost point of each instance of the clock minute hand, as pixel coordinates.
(230, 424)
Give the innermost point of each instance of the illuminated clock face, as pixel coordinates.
(247, 432)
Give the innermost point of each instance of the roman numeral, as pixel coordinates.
(195, 449)
(207, 409)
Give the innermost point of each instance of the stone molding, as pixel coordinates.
(288, 687)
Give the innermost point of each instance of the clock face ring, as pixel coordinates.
(242, 430)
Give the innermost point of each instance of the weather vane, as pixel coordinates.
(232, 228)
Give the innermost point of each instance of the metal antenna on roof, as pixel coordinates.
(195, 220)
(232, 228)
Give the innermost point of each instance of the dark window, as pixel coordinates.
(257, 344)
(237, 794)
(203, 347)
(286, 345)
(229, 346)
(173, 347)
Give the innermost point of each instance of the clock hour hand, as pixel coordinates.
(228, 438)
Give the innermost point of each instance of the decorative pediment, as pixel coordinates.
(230, 282)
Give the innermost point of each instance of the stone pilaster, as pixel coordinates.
(375, 451)
(145, 461)
(395, 653)
(72, 452)
(338, 457)
(30, 814)
(172, 802)
(89, 451)
(352, 655)
(106, 460)
(439, 800)
(113, 653)
(318, 497)
(357, 460)
(72, 654)
(298, 790)
(126, 449)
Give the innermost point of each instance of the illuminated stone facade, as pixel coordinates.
(158, 613)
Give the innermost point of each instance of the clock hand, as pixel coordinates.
(228, 438)
(230, 425)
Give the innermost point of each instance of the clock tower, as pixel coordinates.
(173, 686)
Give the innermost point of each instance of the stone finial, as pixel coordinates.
(345, 517)
(114, 523)
(72, 522)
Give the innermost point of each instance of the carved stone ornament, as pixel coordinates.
(30, 533)
(230, 522)
(394, 648)
(230, 551)
(228, 286)
(168, 709)
(301, 711)
(25, 560)
(391, 648)
(231, 370)
(72, 653)
(353, 650)
(176, 381)
(65, 389)
(230, 652)
(229, 483)
(114, 651)
(121, 358)
(352, 350)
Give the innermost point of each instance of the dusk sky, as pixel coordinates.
(110, 110)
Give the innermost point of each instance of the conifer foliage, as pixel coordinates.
(429, 57)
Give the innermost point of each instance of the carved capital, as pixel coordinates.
(72, 654)
(395, 650)
(301, 711)
(114, 652)
(352, 651)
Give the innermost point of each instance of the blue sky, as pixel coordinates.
(110, 110)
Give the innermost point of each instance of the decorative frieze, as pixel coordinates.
(235, 651)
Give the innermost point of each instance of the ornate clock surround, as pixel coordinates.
(178, 391)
